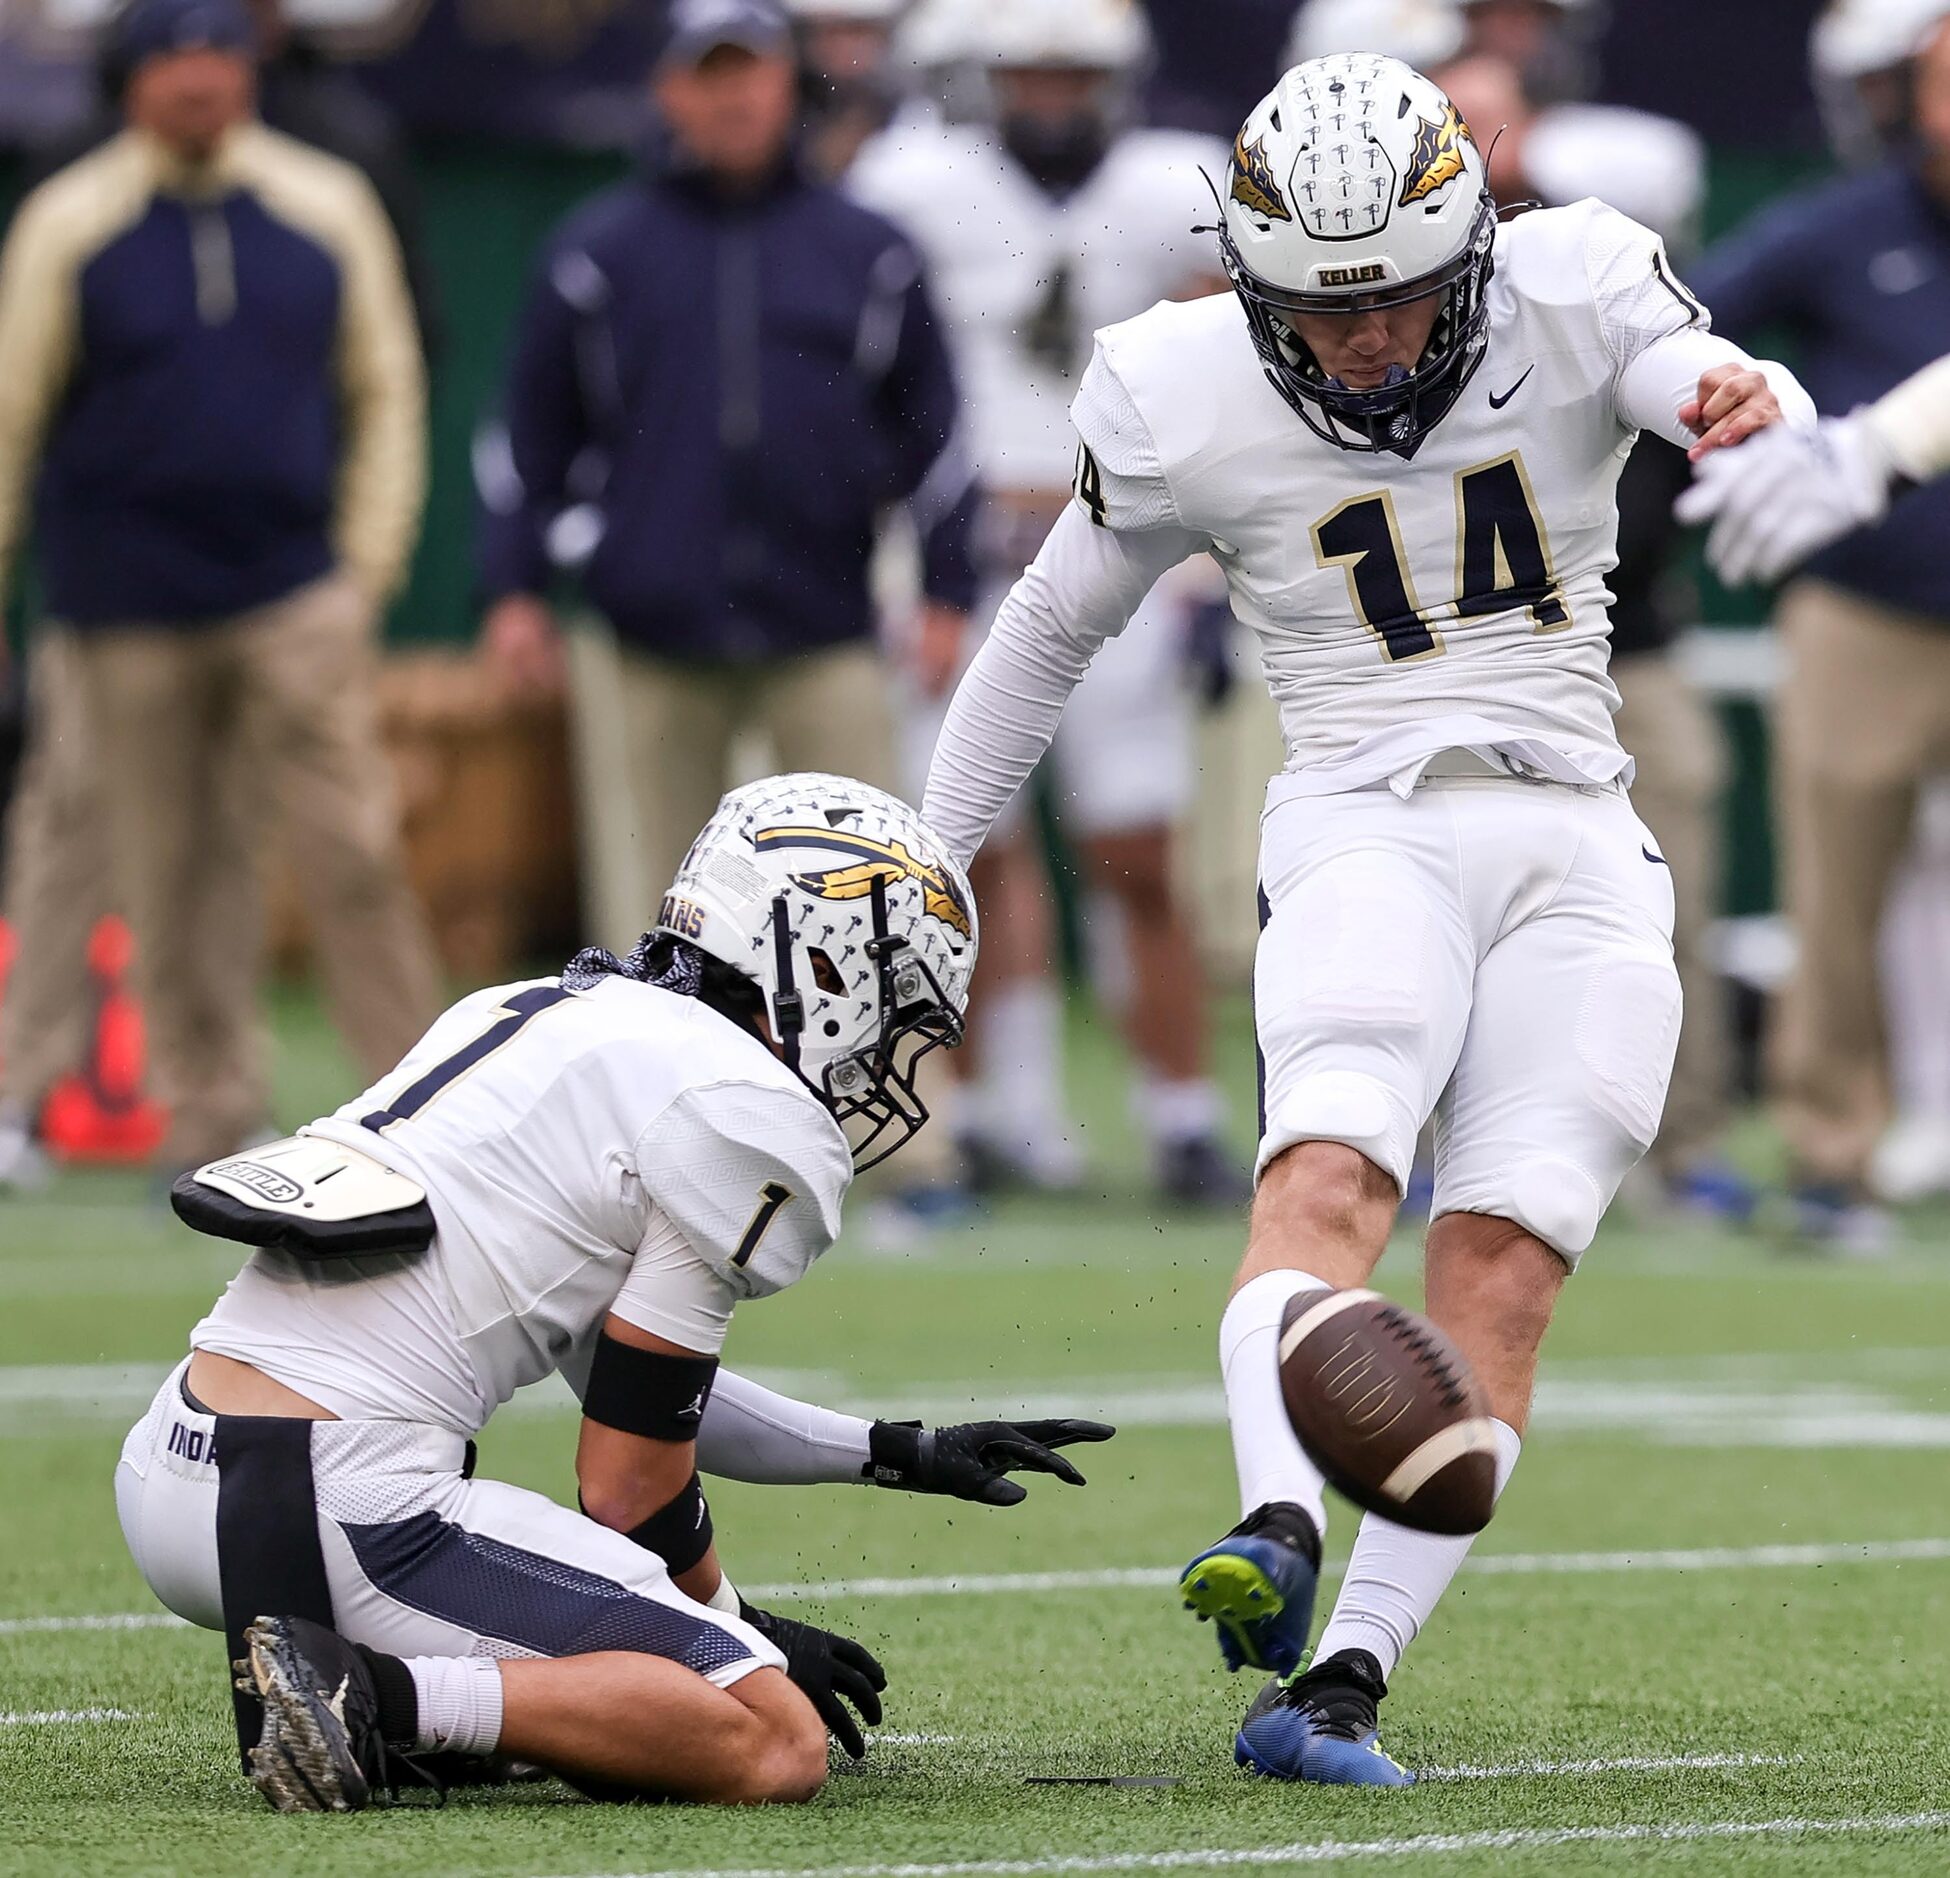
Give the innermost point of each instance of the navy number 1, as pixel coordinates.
(416, 1095)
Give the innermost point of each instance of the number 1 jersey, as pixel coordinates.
(619, 1148)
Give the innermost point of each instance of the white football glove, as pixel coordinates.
(1786, 494)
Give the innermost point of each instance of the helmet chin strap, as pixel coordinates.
(788, 1007)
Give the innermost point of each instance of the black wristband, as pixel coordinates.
(647, 1392)
(897, 1454)
(679, 1533)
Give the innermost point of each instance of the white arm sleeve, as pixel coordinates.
(751, 1176)
(751, 1433)
(1106, 552)
(1666, 374)
(1913, 422)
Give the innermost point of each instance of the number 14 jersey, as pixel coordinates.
(1453, 599)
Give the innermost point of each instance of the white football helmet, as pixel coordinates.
(1355, 185)
(858, 929)
(1420, 33)
(1856, 53)
(1074, 35)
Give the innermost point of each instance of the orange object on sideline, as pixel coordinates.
(99, 1114)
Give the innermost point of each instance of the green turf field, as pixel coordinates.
(1707, 1632)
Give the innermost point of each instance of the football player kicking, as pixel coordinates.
(1400, 438)
(579, 1174)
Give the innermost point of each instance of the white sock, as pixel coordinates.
(1022, 1061)
(1272, 1464)
(1396, 1575)
(1171, 1112)
(460, 1703)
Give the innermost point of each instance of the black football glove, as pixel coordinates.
(973, 1460)
(831, 1669)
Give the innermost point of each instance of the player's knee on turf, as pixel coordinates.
(787, 1764)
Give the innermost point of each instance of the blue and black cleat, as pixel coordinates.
(1257, 1585)
(1322, 1727)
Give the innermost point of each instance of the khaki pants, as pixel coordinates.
(654, 746)
(58, 887)
(275, 707)
(1861, 720)
(1682, 776)
(654, 743)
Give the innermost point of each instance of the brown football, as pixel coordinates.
(1389, 1410)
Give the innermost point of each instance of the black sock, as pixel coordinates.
(399, 1701)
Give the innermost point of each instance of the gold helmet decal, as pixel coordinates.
(872, 860)
(1437, 157)
(1252, 180)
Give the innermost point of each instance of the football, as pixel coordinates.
(1389, 1409)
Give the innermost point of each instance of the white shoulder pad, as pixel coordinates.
(310, 1178)
(752, 1176)
(1638, 295)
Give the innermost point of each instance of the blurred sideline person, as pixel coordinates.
(215, 406)
(1770, 512)
(724, 374)
(57, 847)
(1857, 272)
(850, 76)
(582, 1175)
(1465, 917)
(1055, 216)
(1653, 170)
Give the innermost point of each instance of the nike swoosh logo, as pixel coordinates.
(1657, 860)
(1497, 404)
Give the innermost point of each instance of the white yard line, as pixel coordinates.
(1161, 1577)
(112, 1620)
(52, 1717)
(1628, 1764)
(1333, 1851)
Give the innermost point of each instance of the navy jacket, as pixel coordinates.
(213, 385)
(1857, 274)
(711, 404)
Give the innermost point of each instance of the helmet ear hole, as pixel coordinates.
(826, 975)
(831, 1027)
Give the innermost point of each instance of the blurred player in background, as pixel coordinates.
(1857, 273)
(851, 81)
(1056, 214)
(1402, 440)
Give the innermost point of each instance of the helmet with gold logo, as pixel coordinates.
(1355, 186)
(860, 932)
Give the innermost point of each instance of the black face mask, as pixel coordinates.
(1060, 154)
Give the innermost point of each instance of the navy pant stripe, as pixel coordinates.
(1259, 1055)
(498, 1590)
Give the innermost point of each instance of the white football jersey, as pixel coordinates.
(1022, 278)
(1452, 600)
(582, 1151)
(1405, 605)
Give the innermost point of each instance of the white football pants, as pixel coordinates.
(417, 1559)
(1492, 952)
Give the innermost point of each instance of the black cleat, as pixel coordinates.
(321, 1750)
(1199, 1172)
